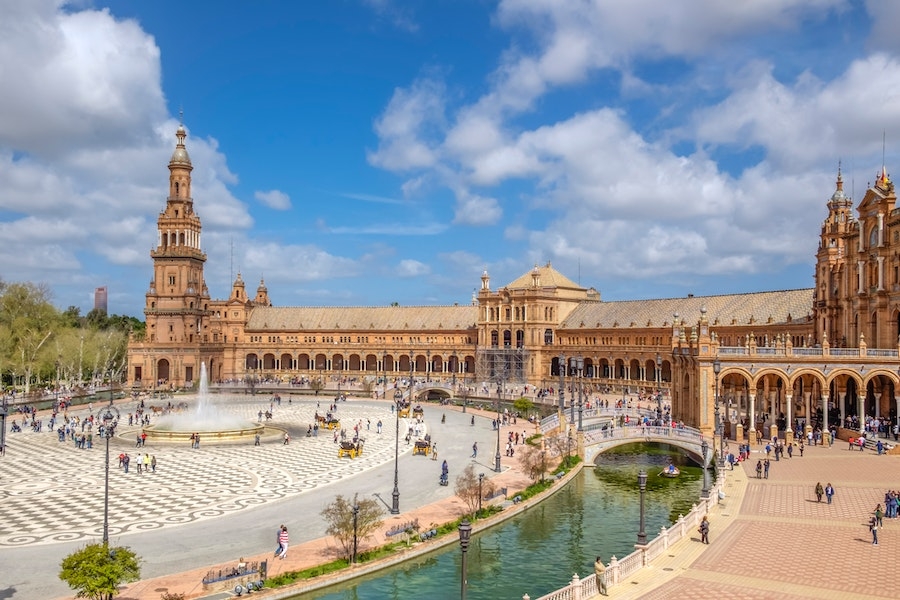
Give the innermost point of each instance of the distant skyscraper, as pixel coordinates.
(100, 296)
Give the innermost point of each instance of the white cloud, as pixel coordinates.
(412, 268)
(407, 124)
(275, 199)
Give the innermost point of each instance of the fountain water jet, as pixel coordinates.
(206, 420)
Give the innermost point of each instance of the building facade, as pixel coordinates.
(767, 360)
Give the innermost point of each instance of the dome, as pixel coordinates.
(181, 156)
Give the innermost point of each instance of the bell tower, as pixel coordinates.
(177, 304)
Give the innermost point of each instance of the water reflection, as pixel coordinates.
(538, 551)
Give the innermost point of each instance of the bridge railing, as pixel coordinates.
(618, 571)
(597, 436)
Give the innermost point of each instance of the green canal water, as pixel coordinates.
(537, 552)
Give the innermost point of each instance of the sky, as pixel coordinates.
(364, 152)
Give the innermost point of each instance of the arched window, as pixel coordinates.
(548, 337)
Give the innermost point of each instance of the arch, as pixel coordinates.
(507, 338)
(354, 363)
(437, 363)
(268, 361)
(495, 338)
(303, 362)
(387, 363)
(520, 338)
(338, 363)
(370, 363)
(287, 362)
(251, 361)
(162, 370)
(320, 363)
(548, 337)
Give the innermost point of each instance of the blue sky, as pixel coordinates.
(361, 152)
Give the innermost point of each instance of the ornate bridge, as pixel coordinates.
(600, 434)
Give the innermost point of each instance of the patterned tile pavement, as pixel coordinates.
(49, 490)
(781, 543)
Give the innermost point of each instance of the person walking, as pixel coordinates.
(283, 542)
(829, 492)
(759, 469)
(879, 516)
(819, 491)
(704, 530)
(766, 469)
(873, 527)
(475, 450)
(153, 463)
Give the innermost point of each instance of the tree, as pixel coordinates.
(533, 461)
(523, 406)
(97, 570)
(29, 320)
(339, 517)
(467, 488)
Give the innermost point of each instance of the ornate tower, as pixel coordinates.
(177, 303)
(832, 272)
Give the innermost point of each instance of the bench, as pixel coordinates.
(409, 525)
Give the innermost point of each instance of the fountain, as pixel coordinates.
(206, 420)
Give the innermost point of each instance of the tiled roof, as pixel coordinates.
(732, 309)
(549, 277)
(362, 318)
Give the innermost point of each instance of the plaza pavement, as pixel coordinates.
(770, 539)
(206, 508)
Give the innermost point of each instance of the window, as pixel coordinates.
(171, 280)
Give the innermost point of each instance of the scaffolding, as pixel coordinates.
(501, 364)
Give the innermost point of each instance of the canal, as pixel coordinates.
(537, 552)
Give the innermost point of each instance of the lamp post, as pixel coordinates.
(720, 426)
(384, 373)
(4, 412)
(108, 417)
(355, 520)
(704, 493)
(427, 366)
(480, 495)
(573, 362)
(562, 382)
(395, 495)
(497, 457)
(579, 367)
(465, 533)
(658, 390)
(642, 484)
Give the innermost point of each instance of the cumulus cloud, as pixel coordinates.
(274, 199)
(412, 268)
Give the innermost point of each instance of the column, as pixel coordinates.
(789, 430)
(825, 433)
(860, 408)
(860, 267)
(880, 274)
(751, 407)
(807, 396)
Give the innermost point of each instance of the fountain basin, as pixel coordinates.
(157, 433)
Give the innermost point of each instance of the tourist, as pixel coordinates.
(879, 516)
(829, 492)
(704, 530)
(759, 468)
(873, 527)
(766, 468)
(599, 571)
(474, 449)
(283, 542)
(819, 491)
(153, 463)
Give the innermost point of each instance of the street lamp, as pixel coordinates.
(427, 366)
(574, 363)
(355, 519)
(642, 484)
(4, 412)
(497, 458)
(578, 363)
(562, 382)
(720, 426)
(480, 495)
(658, 389)
(108, 418)
(384, 373)
(704, 493)
(395, 503)
(465, 533)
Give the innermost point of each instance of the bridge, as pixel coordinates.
(601, 433)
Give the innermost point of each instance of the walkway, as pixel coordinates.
(207, 507)
(770, 539)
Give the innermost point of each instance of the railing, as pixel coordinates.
(807, 351)
(619, 571)
(642, 431)
(881, 352)
(219, 575)
(735, 350)
(843, 351)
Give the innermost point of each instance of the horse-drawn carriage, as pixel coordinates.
(423, 446)
(403, 408)
(418, 412)
(329, 421)
(351, 449)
